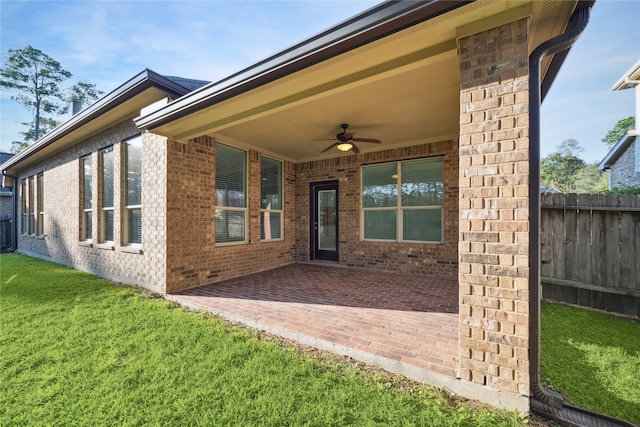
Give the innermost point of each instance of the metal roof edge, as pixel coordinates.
(617, 150)
(630, 79)
(372, 24)
(135, 85)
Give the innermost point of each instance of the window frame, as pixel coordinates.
(31, 205)
(105, 210)
(244, 210)
(40, 204)
(266, 212)
(86, 226)
(129, 209)
(399, 208)
(24, 225)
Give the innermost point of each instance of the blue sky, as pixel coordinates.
(108, 42)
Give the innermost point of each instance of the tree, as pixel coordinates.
(28, 136)
(618, 131)
(591, 180)
(559, 169)
(84, 92)
(37, 78)
(570, 147)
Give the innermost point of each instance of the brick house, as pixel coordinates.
(623, 160)
(168, 186)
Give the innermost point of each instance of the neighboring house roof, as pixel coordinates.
(549, 190)
(618, 149)
(5, 156)
(629, 80)
(124, 102)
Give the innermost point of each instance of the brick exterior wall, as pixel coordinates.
(62, 217)
(413, 258)
(624, 169)
(193, 258)
(494, 209)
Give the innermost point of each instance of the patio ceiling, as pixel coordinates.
(402, 108)
(402, 89)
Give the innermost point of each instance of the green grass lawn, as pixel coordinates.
(593, 359)
(77, 350)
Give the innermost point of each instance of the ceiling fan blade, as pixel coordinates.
(375, 141)
(329, 147)
(355, 149)
(348, 135)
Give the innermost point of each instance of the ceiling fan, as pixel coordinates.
(345, 141)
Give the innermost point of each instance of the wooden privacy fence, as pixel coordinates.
(5, 233)
(590, 250)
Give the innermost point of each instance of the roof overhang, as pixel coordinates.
(391, 72)
(630, 79)
(125, 102)
(617, 150)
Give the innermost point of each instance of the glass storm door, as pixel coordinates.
(324, 223)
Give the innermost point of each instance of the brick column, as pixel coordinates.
(494, 208)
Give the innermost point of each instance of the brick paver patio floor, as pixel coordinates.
(405, 324)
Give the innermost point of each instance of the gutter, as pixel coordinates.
(134, 86)
(618, 149)
(14, 219)
(380, 21)
(545, 402)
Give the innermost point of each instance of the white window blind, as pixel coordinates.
(270, 199)
(133, 190)
(25, 212)
(86, 198)
(107, 211)
(31, 207)
(231, 194)
(40, 203)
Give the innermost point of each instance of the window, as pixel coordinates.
(31, 207)
(133, 191)
(40, 203)
(403, 201)
(87, 210)
(106, 208)
(25, 212)
(231, 195)
(270, 199)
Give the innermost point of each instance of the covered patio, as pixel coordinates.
(406, 324)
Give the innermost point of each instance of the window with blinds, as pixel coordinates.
(133, 190)
(270, 199)
(403, 201)
(107, 207)
(231, 195)
(24, 210)
(87, 210)
(40, 203)
(32, 205)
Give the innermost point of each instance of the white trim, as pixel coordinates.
(245, 209)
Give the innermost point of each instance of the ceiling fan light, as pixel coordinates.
(344, 146)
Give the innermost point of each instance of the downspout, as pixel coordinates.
(545, 402)
(14, 219)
